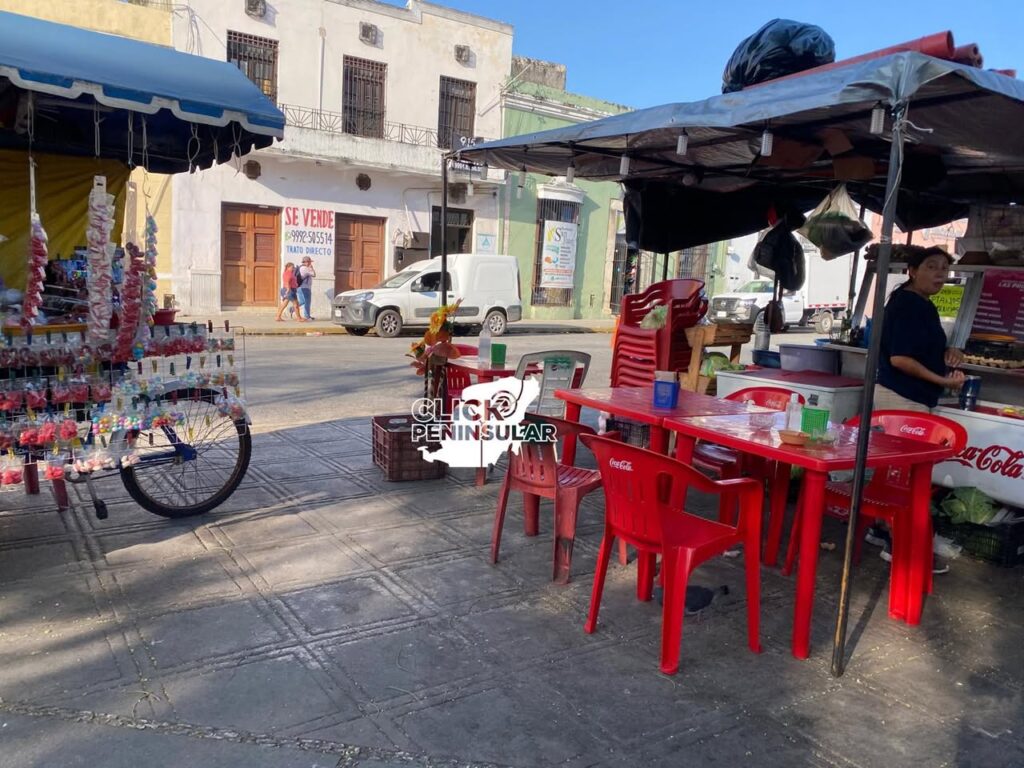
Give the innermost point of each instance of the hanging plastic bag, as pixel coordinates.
(835, 227)
(779, 252)
(779, 48)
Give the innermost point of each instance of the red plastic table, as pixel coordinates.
(908, 583)
(484, 372)
(482, 369)
(637, 403)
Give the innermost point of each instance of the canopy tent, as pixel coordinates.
(86, 93)
(952, 138)
(963, 146)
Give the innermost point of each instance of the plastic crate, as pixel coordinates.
(998, 544)
(396, 453)
(801, 357)
(767, 358)
(633, 432)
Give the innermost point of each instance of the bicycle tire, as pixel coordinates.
(130, 474)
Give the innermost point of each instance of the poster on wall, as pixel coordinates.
(308, 232)
(558, 254)
(486, 243)
(1001, 307)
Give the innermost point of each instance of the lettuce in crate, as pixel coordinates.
(968, 505)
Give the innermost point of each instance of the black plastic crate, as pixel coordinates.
(633, 432)
(998, 544)
(396, 453)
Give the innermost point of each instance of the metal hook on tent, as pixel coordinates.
(32, 185)
(145, 162)
(31, 126)
(131, 139)
(193, 148)
(96, 127)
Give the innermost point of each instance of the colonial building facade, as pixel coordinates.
(373, 95)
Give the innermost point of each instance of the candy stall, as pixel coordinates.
(95, 379)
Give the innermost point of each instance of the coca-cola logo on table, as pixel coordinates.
(909, 430)
(997, 459)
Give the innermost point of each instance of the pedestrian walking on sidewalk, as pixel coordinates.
(289, 293)
(305, 274)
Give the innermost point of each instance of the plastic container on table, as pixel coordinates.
(801, 357)
(839, 395)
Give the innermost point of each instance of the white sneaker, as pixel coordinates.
(945, 548)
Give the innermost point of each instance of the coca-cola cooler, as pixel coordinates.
(993, 460)
(839, 395)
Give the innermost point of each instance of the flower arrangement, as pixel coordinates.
(436, 345)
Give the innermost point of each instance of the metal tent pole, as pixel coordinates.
(892, 187)
(444, 230)
(664, 267)
(855, 265)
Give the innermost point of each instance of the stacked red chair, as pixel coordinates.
(645, 494)
(638, 352)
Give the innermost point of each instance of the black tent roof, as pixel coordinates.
(965, 144)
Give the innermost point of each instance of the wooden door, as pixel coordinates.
(358, 252)
(250, 255)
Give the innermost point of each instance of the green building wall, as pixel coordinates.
(595, 216)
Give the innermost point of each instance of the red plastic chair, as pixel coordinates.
(536, 473)
(887, 495)
(457, 379)
(644, 495)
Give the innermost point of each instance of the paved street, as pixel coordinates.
(300, 379)
(324, 617)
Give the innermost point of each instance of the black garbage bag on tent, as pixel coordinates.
(780, 252)
(781, 47)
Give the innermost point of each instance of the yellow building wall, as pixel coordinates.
(150, 25)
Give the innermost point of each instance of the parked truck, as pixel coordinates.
(822, 300)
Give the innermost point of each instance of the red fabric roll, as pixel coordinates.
(940, 45)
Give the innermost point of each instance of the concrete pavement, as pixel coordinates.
(325, 617)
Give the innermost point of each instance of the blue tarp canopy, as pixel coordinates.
(153, 105)
(963, 147)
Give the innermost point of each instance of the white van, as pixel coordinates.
(488, 285)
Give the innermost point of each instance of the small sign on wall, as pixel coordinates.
(486, 243)
(307, 232)
(558, 254)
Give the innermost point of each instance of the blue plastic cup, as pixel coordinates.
(666, 394)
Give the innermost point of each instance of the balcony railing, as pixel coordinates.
(359, 125)
(336, 122)
(162, 5)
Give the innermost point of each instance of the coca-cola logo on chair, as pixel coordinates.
(906, 429)
(997, 459)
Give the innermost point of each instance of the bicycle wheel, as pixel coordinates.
(192, 467)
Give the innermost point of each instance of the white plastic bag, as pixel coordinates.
(835, 227)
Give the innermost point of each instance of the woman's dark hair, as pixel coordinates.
(917, 256)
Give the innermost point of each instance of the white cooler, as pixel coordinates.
(838, 394)
(993, 461)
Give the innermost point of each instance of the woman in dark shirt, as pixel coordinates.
(915, 364)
